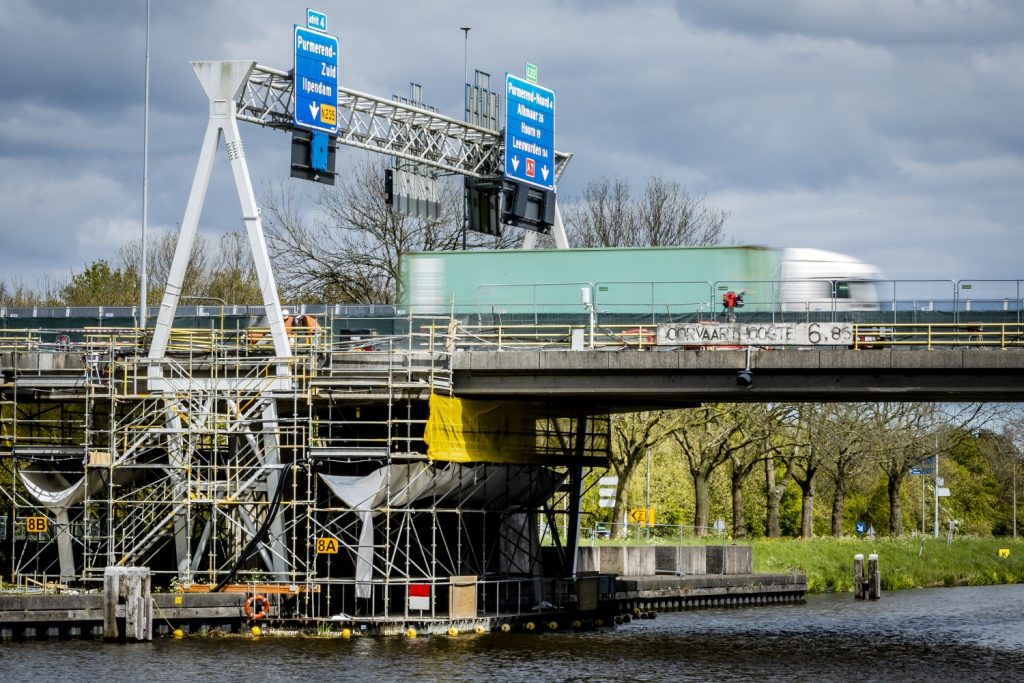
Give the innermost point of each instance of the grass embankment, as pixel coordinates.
(904, 563)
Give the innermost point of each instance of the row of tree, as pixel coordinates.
(774, 462)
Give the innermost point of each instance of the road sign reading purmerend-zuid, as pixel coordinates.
(315, 80)
(529, 133)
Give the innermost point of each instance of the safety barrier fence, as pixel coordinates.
(440, 336)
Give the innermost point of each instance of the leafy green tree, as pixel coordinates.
(707, 436)
(633, 434)
(99, 284)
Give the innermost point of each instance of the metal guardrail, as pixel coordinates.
(439, 335)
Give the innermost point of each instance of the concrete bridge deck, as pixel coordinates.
(695, 376)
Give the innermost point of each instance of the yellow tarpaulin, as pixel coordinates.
(469, 430)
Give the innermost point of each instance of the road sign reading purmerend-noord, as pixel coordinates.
(529, 133)
(316, 80)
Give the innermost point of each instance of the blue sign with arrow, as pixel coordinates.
(529, 133)
(316, 80)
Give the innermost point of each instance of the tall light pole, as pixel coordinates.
(145, 184)
(465, 53)
(465, 97)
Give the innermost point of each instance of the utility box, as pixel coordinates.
(462, 597)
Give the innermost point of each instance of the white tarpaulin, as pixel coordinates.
(482, 486)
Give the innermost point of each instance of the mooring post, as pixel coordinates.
(874, 578)
(111, 592)
(128, 587)
(858, 576)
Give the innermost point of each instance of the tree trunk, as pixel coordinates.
(739, 521)
(895, 510)
(773, 497)
(838, 508)
(700, 508)
(621, 500)
(807, 504)
(807, 513)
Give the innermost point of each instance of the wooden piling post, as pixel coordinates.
(874, 578)
(858, 576)
(127, 589)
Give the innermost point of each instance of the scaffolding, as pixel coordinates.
(310, 474)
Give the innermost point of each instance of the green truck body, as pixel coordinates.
(665, 281)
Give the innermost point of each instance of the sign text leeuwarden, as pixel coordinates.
(529, 133)
(316, 80)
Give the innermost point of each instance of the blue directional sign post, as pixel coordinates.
(529, 133)
(316, 79)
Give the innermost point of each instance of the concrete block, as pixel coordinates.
(682, 560)
(462, 597)
(612, 560)
(588, 559)
(730, 559)
(666, 559)
(640, 560)
(693, 559)
(617, 560)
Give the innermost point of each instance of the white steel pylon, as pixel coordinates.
(223, 82)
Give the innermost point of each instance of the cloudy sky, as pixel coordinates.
(887, 129)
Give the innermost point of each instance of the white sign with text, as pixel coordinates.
(755, 334)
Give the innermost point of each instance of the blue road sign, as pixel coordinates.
(316, 20)
(316, 80)
(861, 528)
(529, 133)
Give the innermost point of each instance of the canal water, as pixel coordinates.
(952, 634)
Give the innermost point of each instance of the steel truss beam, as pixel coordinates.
(379, 125)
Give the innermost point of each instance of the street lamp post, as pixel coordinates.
(465, 94)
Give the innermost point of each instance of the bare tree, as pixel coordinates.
(845, 455)
(665, 214)
(760, 421)
(904, 434)
(349, 250)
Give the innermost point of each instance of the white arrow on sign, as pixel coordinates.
(515, 163)
(544, 172)
(314, 109)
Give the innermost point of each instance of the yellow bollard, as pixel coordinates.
(453, 631)
(346, 633)
(411, 633)
(505, 628)
(552, 625)
(530, 626)
(178, 633)
(256, 631)
(480, 630)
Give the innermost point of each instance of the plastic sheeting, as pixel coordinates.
(481, 487)
(470, 430)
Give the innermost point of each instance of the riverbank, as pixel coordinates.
(905, 562)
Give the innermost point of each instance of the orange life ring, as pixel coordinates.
(262, 611)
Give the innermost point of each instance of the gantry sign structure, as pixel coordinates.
(254, 93)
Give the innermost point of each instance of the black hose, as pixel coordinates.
(258, 537)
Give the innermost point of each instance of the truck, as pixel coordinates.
(654, 284)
